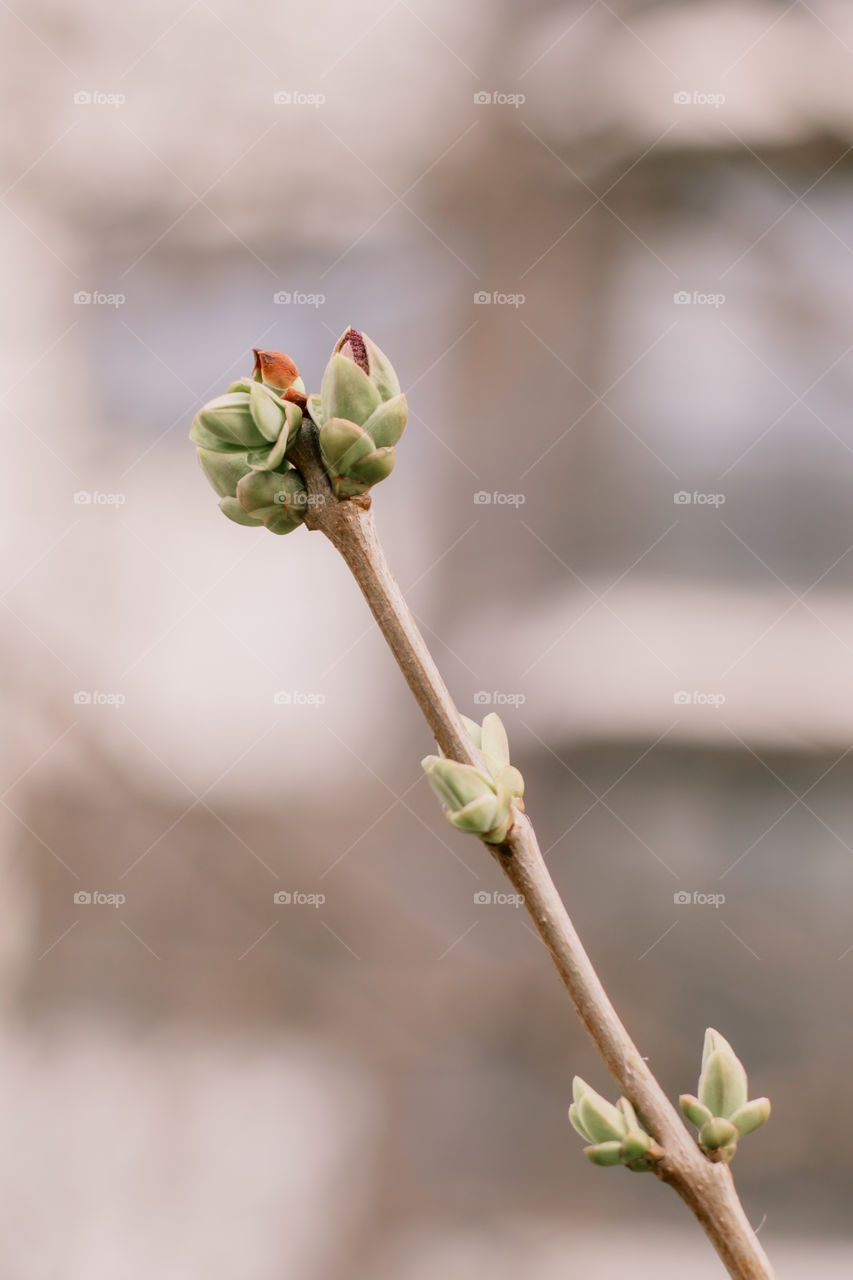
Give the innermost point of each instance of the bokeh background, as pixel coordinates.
(609, 247)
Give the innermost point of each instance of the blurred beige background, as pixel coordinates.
(609, 249)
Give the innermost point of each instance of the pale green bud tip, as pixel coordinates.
(606, 1154)
(693, 1109)
(751, 1116)
(723, 1083)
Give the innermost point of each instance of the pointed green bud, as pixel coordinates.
(229, 418)
(722, 1084)
(232, 509)
(479, 817)
(509, 782)
(455, 784)
(495, 743)
(267, 411)
(635, 1146)
(604, 1153)
(387, 423)
(602, 1121)
(315, 409)
(363, 351)
(712, 1042)
(473, 730)
(751, 1116)
(342, 443)
(375, 467)
(717, 1133)
(693, 1109)
(224, 469)
(579, 1088)
(242, 384)
(577, 1123)
(629, 1113)
(347, 392)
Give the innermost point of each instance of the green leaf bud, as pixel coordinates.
(224, 469)
(602, 1121)
(229, 418)
(722, 1084)
(347, 392)
(495, 743)
(387, 422)
(751, 1116)
(604, 1153)
(232, 509)
(455, 784)
(693, 1109)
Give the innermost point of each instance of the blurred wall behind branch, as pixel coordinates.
(608, 247)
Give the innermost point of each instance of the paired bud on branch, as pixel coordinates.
(242, 437)
(478, 802)
(721, 1113)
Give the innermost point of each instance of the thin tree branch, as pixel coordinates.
(706, 1187)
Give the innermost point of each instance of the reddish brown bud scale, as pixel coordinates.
(275, 369)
